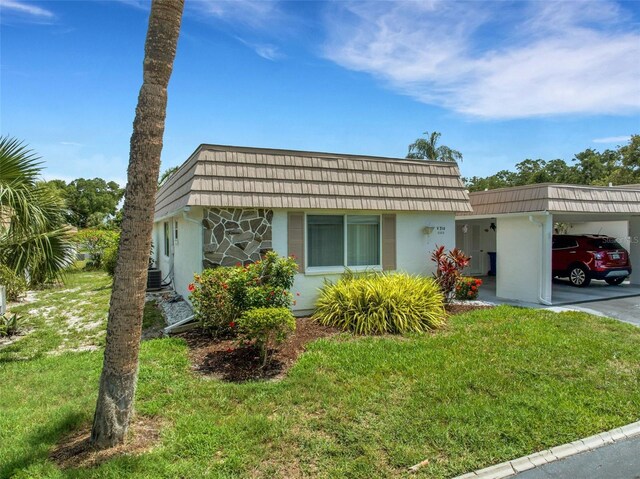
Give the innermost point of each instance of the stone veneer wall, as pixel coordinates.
(235, 235)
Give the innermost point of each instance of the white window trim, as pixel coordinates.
(321, 270)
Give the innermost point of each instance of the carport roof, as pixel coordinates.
(556, 198)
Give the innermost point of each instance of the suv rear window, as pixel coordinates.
(607, 244)
(560, 242)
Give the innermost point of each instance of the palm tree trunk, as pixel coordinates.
(120, 368)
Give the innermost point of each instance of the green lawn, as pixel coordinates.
(493, 386)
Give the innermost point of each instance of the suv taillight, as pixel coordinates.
(597, 254)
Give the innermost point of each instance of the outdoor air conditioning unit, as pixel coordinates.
(154, 279)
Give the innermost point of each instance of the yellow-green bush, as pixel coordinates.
(377, 303)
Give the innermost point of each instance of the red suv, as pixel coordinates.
(582, 258)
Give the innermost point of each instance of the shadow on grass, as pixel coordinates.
(46, 434)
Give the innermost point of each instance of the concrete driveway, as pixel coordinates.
(622, 309)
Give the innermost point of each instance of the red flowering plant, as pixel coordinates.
(220, 296)
(467, 288)
(449, 266)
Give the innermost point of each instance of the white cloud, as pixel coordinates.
(613, 139)
(257, 14)
(139, 4)
(265, 50)
(494, 60)
(25, 8)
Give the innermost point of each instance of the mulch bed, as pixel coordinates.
(226, 360)
(75, 450)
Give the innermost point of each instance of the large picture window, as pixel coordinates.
(343, 240)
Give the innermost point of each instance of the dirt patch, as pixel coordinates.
(459, 308)
(75, 450)
(225, 359)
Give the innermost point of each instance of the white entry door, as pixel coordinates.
(471, 247)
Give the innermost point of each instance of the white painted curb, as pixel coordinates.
(510, 468)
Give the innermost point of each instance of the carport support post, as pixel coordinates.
(524, 257)
(634, 248)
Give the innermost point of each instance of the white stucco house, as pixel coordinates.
(227, 205)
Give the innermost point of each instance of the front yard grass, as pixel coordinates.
(494, 385)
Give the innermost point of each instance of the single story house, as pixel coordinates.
(518, 223)
(227, 205)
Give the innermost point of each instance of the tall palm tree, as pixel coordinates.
(427, 149)
(124, 326)
(35, 242)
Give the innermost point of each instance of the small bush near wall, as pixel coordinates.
(467, 288)
(267, 327)
(378, 303)
(222, 294)
(15, 285)
(9, 324)
(96, 242)
(449, 266)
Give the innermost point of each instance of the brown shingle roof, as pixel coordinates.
(229, 176)
(556, 198)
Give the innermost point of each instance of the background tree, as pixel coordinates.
(590, 167)
(166, 174)
(35, 241)
(428, 149)
(124, 326)
(92, 201)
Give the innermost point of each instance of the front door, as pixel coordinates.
(468, 240)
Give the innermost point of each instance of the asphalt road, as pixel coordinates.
(620, 460)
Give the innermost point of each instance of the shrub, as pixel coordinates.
(109, 259)
(96, 242)
(15, 285)
(9, 324)
(221, 295)
(377, 303)
(449, 268)
(267, 327)
(467, 288)
(212, 300)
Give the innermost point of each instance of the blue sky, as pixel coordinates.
(502, 81)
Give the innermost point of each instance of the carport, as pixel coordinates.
(518, 224)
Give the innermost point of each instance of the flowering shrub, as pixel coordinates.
(221, 295)
(449, 268)
(266, 327)
(467, 288)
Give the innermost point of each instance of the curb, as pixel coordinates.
(511, 468)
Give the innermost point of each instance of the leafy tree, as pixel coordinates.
(92, 201)
(590, 167)
(166, 174)
(35, 241)
(124, 325)
(427, 149)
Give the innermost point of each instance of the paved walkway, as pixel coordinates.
(620, 460)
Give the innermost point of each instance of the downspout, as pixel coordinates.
(541, 276)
